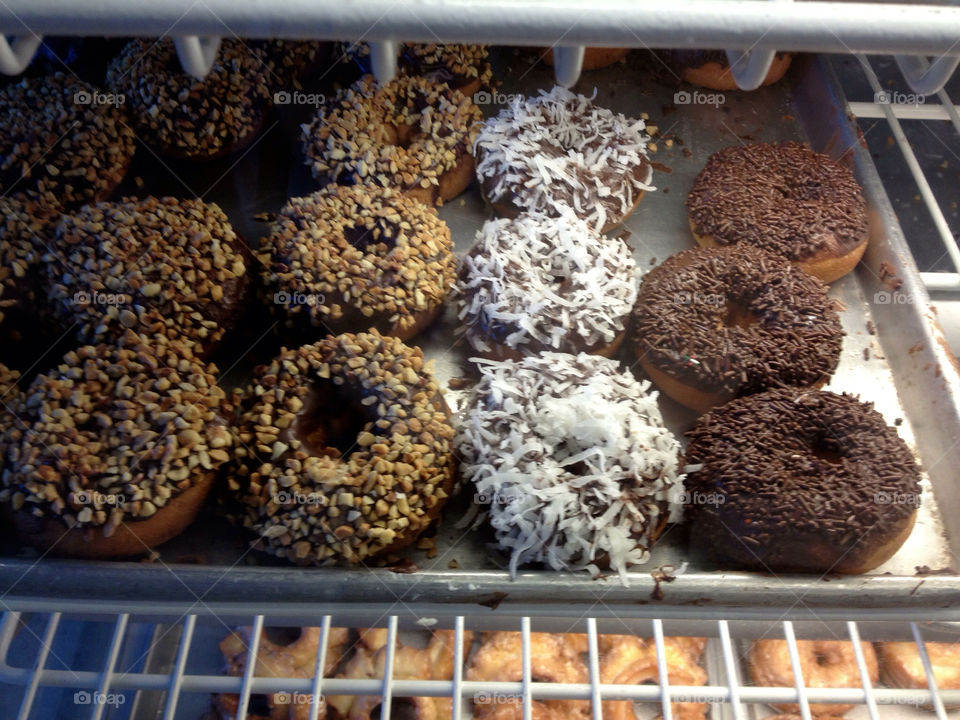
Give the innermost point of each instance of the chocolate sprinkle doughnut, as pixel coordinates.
(63, 139)
(541, 283)
(571, 456)
(108, 439)
(781, 197)
(410, 134)
(344, 450)
(731, 321)
(810, 481)
(158, 265)
(357, 257)
(460, 67)
(182, 116)
(559, 151)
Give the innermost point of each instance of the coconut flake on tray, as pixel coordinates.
(572, 455)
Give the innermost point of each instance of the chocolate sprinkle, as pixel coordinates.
(798, 469)
(783, 197)
(736, 319)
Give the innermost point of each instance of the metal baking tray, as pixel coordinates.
(910, 375)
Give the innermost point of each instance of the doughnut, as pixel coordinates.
(559, 151)
(9, 398)
(411, 134)
(115, 449)
(351, 257)
(785, 198)
(434, 662)
(711, 68)
(571, 455)
(24, 235)
(62, 139)
(294, 656)
(823, 664)
(538, 283)
(156, 265)
(803, 481)
(593, 57)
(183, 117)
(459, 67)
(366, 480)
(902, 667)
(554, 658)
(630, 660)
(289, 61)
(713, 324)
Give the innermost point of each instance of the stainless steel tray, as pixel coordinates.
(910, 375)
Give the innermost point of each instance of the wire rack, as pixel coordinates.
(118, 688)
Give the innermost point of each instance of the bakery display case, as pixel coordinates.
(245, 612)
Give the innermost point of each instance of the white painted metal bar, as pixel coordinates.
(593, 665)
(567, 64)
(525, 663)
(939, 221)
(197, 54)
(458, 654)
(950, 109)
(317, 690)
(180, 666)
(924, 111)
(871, 701)
(100, 699)
(941, 281)
(383, 59)
(14, 58)
(662, 676)
(749, 68)
(386, 693)
(802, 697)
(45, 645)
(928, 670)
(738, 24)
(924, 77)
(245, 687)
(730, 667)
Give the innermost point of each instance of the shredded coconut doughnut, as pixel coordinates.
(572, 455)
(542, 283)
(559, 150)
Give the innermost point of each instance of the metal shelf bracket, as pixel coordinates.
(15, 57)
(197, 54)
(567, 64)
(750, 67)
(926, 78)
(383, 60)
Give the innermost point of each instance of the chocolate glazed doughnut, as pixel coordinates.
(362, 481)
(784, 198)
(714, 324)
(805, 481)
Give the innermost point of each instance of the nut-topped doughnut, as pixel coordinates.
(803, 481)
(571, 454)
(182, 116)
(541, 283)
(345, 450)
(460, 67)
(711, 324)
(158, 265)
(64, 139)
(115, 449)
(25, 232)
(411, 134)
(785, 198)
(559, 151)
(711, 68)
(354, 257)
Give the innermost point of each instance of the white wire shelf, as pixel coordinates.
(726, 688)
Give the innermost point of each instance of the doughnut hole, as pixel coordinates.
(738, 314)
(401, 709)
(366, 238)
(323, 432)
(283, 636)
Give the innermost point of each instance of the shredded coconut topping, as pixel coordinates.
(560, 151)
(571, 453)
(542, 283)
